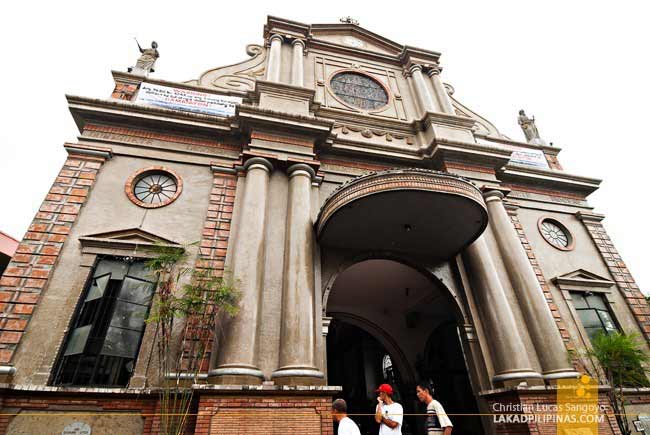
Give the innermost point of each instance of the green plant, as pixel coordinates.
(196, 295)
(621, 363)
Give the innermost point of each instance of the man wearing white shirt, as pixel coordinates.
(388, 413)
(340, 415)
(437, 420)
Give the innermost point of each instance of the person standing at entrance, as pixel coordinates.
(388, 413)
(340, 415)
(437, 420)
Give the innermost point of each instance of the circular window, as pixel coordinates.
(556, 234)
(359, 90)
(153, 187)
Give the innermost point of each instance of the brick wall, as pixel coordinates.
(29, 270)
(124, 91)
(269, 415)
(14, 402)
(621, 274)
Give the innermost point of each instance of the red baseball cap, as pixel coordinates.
(385, 388)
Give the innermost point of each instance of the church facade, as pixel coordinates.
(376, 229)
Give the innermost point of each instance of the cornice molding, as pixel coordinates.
(105, 153)
(95, 110)
(252, 116)
(589, 217)
(549, 178)
(550, 150)
(345, 117)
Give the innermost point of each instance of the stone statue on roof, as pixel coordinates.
(147, 59)
(530, 129)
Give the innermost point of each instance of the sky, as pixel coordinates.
(580, 67)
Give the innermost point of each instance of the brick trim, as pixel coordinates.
(356, 165)
(446, 166)
(124, 91)
(31, 267)
(553, 162)
(517, 187)
(142, 134)
(282, 140)
(621, 274)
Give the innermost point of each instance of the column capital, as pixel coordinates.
(493, 191)
(434, 70)
(297, 41)
(301, 169)
(276, 36)
(258, 162)
(414, 67)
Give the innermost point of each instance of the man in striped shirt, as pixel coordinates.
(437, 420)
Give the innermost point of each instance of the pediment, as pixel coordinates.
(132, 241)
(355, 37)
(132, 235)
(583, 278)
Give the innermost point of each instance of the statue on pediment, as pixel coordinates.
(147, 59)
(530, 129)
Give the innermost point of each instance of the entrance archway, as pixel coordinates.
(392, 323)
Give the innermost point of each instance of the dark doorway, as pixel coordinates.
(443, 366)
(392, 324)
(359, 363)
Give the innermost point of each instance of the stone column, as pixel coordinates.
(297, 337)
(297, 74)
(274, 63)
(423, 94)
(237, 351)
(543, 329)
(511, 362)
(444, 102)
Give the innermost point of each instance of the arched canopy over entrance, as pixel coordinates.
(415, 211)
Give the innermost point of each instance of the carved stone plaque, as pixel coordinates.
(77, 428)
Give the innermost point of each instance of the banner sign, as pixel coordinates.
(187, 100)
(529, 157)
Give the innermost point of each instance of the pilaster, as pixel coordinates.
(29, 271)
(542, 326)
(297, 340)
(237, 351)
(512, 364)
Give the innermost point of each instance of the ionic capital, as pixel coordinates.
(301, 169)
(415, 67)
(493, 195)
(258, 163)
(434, 70)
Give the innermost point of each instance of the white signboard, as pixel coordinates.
(187, 100)
(528, 157)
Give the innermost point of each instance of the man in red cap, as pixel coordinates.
(388, 413)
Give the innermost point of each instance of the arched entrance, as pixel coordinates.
(393, 324)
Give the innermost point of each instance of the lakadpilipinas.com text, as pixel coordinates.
(548, 413)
